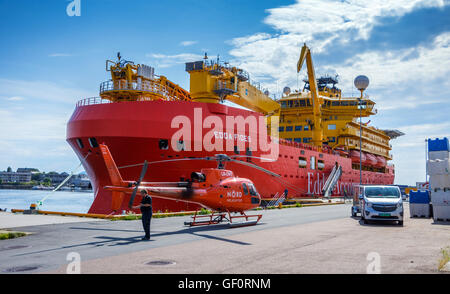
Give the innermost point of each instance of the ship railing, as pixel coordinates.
(92, 101)
(149, 86)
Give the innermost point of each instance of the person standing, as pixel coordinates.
(146, 210)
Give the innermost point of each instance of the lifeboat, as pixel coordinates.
(354, 155)
(381, 161)
(372, 159)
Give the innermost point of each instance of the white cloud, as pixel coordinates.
(188, 43)
(162, 60)
(60, 55)
(397, 67)
(15, 98)
(323, 23)
(351, 19)
(32, 126)
(42, 90)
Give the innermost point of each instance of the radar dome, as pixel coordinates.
(361, 82)
(287, 90)
(266, 92)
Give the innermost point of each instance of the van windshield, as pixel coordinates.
(382, 192)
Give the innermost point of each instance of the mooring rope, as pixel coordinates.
(65, 180)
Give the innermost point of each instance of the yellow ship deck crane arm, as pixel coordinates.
(317, 129)
(213, 83)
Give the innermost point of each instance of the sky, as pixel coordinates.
(50, 60)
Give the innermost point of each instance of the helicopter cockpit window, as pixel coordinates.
(252, 190)
(244, 186)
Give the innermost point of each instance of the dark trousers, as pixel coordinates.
(146, 219)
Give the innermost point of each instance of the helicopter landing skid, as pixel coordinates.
(219, 217)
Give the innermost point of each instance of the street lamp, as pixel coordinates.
(361, 83)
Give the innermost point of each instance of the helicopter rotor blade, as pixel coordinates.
(248, 156)
(257, 167)
(141, 177)
(168, 160)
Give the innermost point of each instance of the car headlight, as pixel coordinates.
(399, 205)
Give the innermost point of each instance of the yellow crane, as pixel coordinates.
(316, 127)
(212, 82)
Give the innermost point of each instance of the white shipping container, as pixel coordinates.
(440, 197)
(438, 167)
(440, 181)
(433, 155)
(441, 212)
(419, 210)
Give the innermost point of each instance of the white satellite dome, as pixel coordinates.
(361, 82)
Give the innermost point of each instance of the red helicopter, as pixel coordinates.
(213, 188)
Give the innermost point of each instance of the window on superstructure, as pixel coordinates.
(281, 129)
(289, 129)
(298, 140)
(331, 139)
(283, 104)
(302, 162)
(306, 128)
(302, 102)
(312, 162)
(332, 127)
(298, 128)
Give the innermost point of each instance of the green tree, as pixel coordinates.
(36, 176)
(9, 169)
(47, 181)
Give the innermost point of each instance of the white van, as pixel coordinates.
(378, 202)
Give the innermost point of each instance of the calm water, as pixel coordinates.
(57, 201)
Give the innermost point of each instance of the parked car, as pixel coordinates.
(376, 202)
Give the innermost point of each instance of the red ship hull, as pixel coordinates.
(133, 130)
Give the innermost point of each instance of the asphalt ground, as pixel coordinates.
(322, 239)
